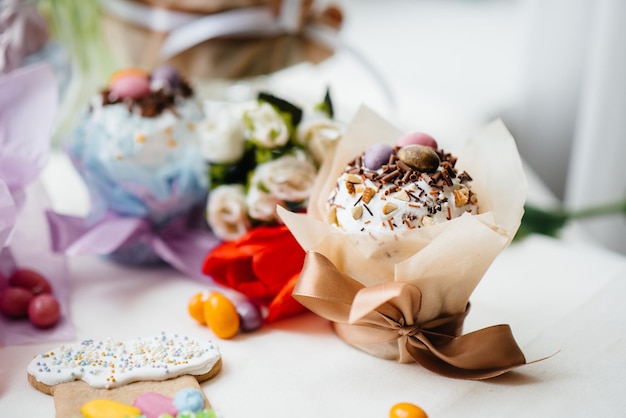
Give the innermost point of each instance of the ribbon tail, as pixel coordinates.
(482, 354)
(186, 252)
(74, 236)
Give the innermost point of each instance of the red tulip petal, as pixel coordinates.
(284, 305)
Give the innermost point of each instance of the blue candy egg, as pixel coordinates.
(189, 399)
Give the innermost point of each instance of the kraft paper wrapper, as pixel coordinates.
(210, 6)
(444, 261)
(228, 58)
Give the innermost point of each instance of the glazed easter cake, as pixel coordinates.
(409, 185)
(137, 149)
(88, 375)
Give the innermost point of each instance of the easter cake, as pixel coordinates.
(138, 151)
(103, 373)
(410, 185)
(136, 145)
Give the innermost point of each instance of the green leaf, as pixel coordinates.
(326, 105)
(540, 221)
(283, 106)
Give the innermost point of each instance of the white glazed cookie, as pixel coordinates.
(112, 363)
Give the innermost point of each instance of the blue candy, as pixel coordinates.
(189, 400)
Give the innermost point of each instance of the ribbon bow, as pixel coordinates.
(384, 320)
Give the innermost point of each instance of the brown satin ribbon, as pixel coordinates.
(372, 318)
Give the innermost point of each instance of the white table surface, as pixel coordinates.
(558, 296)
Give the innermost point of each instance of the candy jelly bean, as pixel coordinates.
(106, 408)
(31, 280)
(406, 410)
(154, 405)
(189, 399)
(195, 307)
(221, 315)
(44, 310)
(14, 302)
(249, 316)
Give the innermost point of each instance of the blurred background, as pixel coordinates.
(553, 70)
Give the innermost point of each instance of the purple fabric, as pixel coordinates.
(28, 103)
(179, 245)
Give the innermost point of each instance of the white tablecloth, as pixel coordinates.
(563, 297)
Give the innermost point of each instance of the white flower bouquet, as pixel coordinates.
(262, 154)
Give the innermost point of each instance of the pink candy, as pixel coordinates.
(130, 86)
(417, 138)
(153, 405)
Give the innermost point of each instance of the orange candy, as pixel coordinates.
(406, 410)
(133, 72)
(221, 315)
(195, 307)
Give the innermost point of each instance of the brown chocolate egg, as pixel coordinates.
(419, 157)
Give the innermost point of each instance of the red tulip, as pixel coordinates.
(264, 264)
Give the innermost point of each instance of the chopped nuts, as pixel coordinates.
(461, 196)
(353, 178)
(357, 212)
(427, 220)
(402, 195)
(368, 193)
(350, 187)
(389, 207)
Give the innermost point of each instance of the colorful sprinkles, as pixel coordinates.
(111, 363)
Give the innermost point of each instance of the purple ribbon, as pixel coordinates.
(177, 244)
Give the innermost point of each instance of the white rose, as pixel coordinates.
(262, 205)
(319, 136)
(226, 212)
(265, 126)
(222, 136)
(288, 178)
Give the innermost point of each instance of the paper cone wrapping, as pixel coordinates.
(223, 57)
(445, 261)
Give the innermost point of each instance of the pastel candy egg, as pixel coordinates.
(189, 399)
(127, 72)
(221, 315)
(131, 83)
(419, 157)
(249, 316)
(417, 138)
(155, 405)
(377, 155)
(165, 75)
(106, 408)
(406, 410)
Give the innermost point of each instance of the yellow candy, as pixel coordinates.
(406, 410)
(221, 315)
(195, 307)
(105, 408)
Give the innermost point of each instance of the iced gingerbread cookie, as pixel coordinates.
(122, 371)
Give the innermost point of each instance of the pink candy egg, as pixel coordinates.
(417, 138)
(155, 405)
(130, 86)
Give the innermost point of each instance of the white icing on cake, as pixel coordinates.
(112, 363)
(363, 201)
